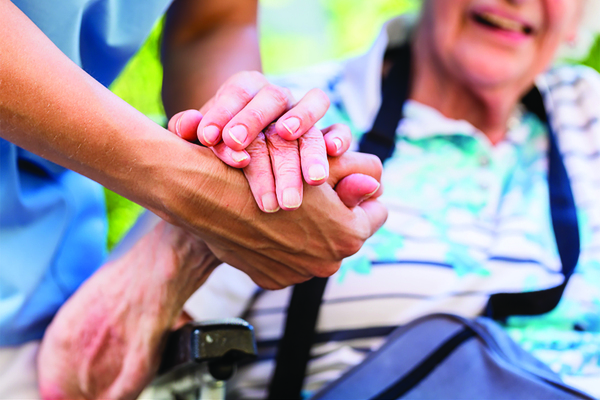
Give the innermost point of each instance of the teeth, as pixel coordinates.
(502, 22)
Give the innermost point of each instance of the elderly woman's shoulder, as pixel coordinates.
(572, 78)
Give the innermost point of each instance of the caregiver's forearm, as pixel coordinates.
(51, 107)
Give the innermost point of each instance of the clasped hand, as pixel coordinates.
(237, 124)
(106, 340)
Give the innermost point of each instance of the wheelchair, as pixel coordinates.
(199, 358)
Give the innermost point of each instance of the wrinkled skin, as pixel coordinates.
(106, 341)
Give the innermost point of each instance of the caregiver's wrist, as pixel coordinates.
(193, 189)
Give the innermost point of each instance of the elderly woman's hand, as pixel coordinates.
(106, 340)
(248, 103)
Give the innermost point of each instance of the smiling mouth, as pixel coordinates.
(497, 22)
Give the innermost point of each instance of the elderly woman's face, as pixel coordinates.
(494, 43)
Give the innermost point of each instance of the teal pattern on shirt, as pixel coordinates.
(452, 175)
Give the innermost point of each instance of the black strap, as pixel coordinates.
(294, 348)
(566, 231)
(293, 351)
(381, 139)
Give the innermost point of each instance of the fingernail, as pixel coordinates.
(239, 133)
(372, 193)
(178, 126)
(269, 202)
(291, 124)
(317, 172)
(210, 134)
(239, 156)
(291, 198)
(338, 144)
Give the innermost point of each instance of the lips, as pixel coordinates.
(495, 21)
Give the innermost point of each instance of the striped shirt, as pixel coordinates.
(466, 219)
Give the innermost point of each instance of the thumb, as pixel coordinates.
(353, 163)
(184, 124)
(356, 188)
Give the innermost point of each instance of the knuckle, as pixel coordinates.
(257, 116)
(281, 147)
(288, 93)
(353, 246)
(284, 166)
(273, 285)
(239, 94)
(258, 145)
(277, 94)
(327, 269)
(222, 112)
(314, 145)
(254, 75)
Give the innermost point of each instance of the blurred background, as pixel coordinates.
(293, 34)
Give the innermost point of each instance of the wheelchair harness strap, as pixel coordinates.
(294, 348)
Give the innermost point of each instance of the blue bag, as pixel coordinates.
(443, 356)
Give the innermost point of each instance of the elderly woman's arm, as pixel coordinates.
(106, 341)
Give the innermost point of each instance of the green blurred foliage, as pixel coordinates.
(140, 85)
(140, 82)
(299, 33)
(593, 58)
(293, 34)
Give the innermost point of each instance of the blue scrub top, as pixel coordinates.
(53, 220)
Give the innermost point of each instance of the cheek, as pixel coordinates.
(561, 18)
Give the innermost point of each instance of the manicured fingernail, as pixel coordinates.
(178, 126)
(238, 133)
(291, 124)
(317, 172)
(210, 134)
(269, 202)
(372, 193)
(239, 156)
(338, 144)
(291, 198)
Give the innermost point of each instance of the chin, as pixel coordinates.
(489, 69)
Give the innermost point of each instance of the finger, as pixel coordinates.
(185, 123)
(235, 159)
(356, 188)
(268, 104)
(285, 160)
(313, 157)
(354, 163)
(231, 98)
(208, 105)
(304, 115)
(337, 139)
(260, 175)
(373, 214)
(173, 122)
